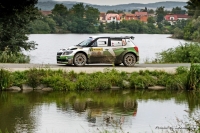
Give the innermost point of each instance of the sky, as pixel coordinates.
(116, 2)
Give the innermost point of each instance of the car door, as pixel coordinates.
(117, 48)
(97, 50)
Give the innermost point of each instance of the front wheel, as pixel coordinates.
(80, 59)
(129, 60)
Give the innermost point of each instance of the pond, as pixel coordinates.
(50, 44)
(94, 111)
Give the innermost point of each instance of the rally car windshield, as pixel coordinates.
(85, 42)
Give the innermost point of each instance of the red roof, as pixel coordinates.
(108, 16)
(130, 15)
(45, 13)
(102, 14)
(141, 14)
(182, 16)
(175, 17)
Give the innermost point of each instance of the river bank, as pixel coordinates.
(109, 78)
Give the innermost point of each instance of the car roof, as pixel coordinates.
(122, 37)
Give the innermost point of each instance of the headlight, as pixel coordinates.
(67, 52)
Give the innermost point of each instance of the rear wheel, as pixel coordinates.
(117, 64)
(129, 60)
(80, 59)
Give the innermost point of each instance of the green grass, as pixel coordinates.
(60, 80)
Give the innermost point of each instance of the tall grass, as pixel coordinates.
(5, 79)
(10, 57)
(193, 77)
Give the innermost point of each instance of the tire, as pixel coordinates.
(129, 60)
(80, 59)
(117, 64)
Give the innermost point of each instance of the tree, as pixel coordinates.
(83, 19)
(60, 13)
(151, 20)
(144, 10)
(101, 28)
(133, 11)
(111, 11)
(115, 11)
(91, 14)
(15, 17)
(150, 11)
(51, 23)
(117, 25)
(60, 10)
(193, 7)
(160, 14)
(39, 27)
(78, 10)
(111, 26)
(178, 10)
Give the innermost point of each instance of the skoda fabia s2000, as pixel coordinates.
(114, 50)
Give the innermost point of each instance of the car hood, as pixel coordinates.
(73, 47)
(70, 48)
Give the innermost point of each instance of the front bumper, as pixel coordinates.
(64, 60)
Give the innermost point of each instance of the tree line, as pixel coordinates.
(85, 19)
(191, 30)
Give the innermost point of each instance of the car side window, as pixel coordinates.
(94, 44)
(102, 42)
(129, 42)
(118, 42)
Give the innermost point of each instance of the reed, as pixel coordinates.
(5, 79)
(10, 57)
(193, 77)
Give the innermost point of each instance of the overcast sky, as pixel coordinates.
(116, 2)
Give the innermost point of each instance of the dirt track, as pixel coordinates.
(94, 67)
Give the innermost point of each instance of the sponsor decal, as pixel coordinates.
(96, 49)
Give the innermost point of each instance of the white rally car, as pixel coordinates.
(115, 50)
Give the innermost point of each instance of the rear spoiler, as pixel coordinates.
(132, 37)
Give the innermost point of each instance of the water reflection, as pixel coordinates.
(34, 111)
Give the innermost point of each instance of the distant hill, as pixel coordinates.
(49, 5)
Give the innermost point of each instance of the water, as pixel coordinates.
(49, 44)
(91, 112)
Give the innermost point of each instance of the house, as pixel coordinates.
(102, 17)
(172, 18)
(112, 17)
(46, 13)
(139, 14)
(122, 16)
(143, 19)
(130, 17)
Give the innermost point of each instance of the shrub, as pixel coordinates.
(142, 80)
(184, 53)
(19, 78)
(35, 76)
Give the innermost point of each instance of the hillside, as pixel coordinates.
(49, 5)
